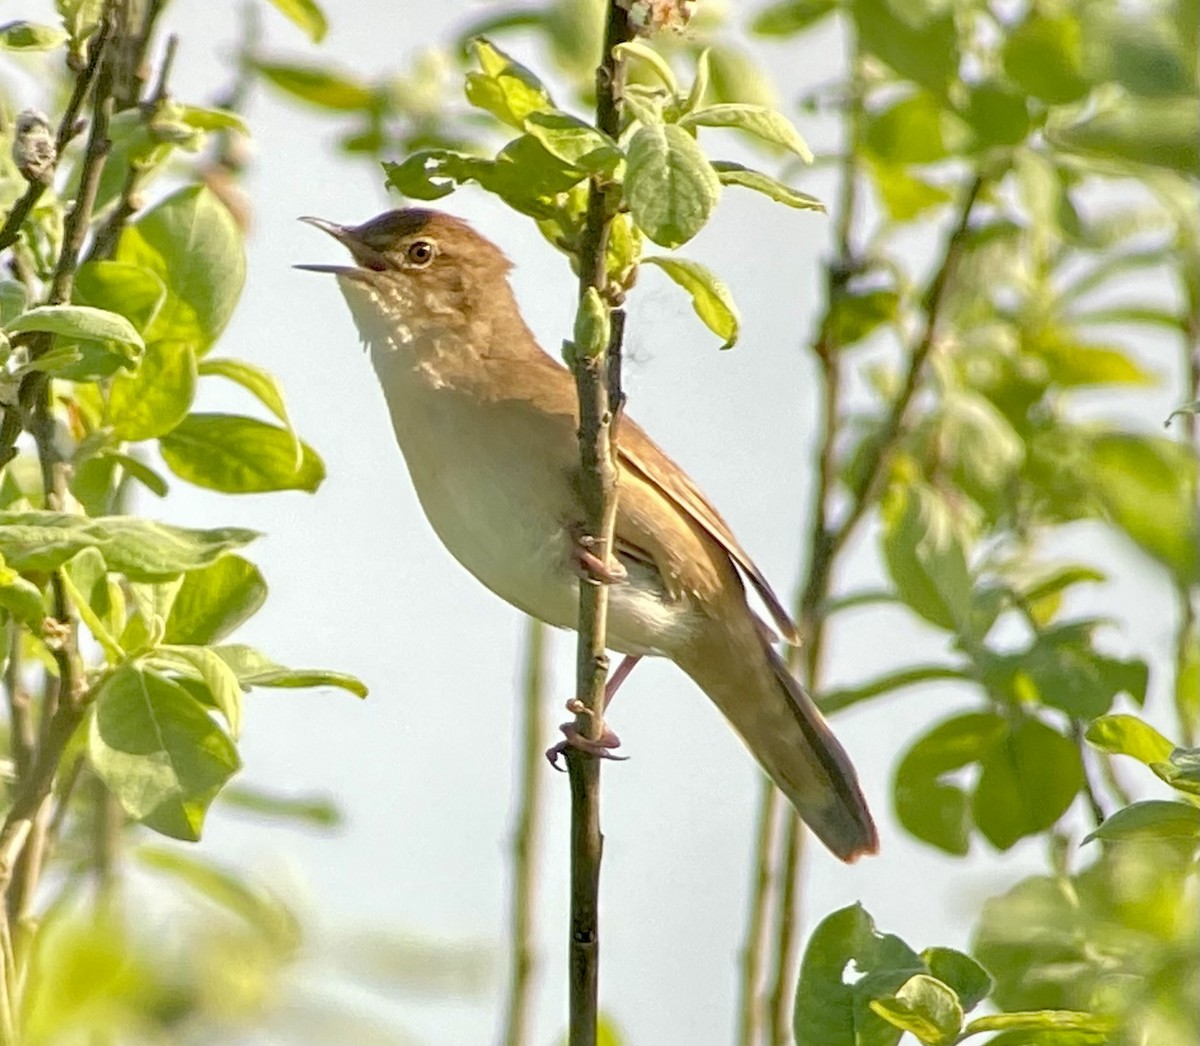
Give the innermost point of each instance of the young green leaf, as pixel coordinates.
(77, 321)
(573, 141)
(1043, 56)
(135, 292)
(29, 36)
(788, 17)
(156, 397)
(756, 120)
(1042, 1021)
(710, 297)
(731, 173)
(138, 470)
(669, 184)
(85, 580)
(138, 548)
(224, 690)
(21, 598)
(239, 455)
(653, 60)
(215, 600)
(1129, 735)
(307, 15)
(260, 383)
(253, 668)
(504, 87)
(157, 750)
(1181, 770)
(320, 87)
(969, 981)
(192, 243)
(925, 1007)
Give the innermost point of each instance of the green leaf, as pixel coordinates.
(29, 36)
(925, 552)
(1042, 1020)
(21, 598)
(272, 919)
(504, 87)
(935, 810)
(710, 297)
(130, 290)
(77, 321)
(203, 119)
(215, 600)
(224, 690)
(904, 195)
(846, 964)
(856, 314)
(1148, 487)
(656, 62)
(156, 397)
(13, 300)
(729, 173)
(925, 1007)
(255, 669)
(1029, 778)
(320, 87)
(1155, 131)
(919, 42)
(670, 186)
(157, 751)
(969, 981)
(192, 243)
(140, 549)
(1043, 56)
(908, 132)
(843, 697)
(260, 383)
(1129, 735)
(1181, 770)
(757, 120)
(140, 471)
(85, 579)
(239, 455)
(573, 141)
(997, 115)
(316, 810)
(788, 17)
(307, 15)
(1150, 818)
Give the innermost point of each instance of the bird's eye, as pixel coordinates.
(420, 252)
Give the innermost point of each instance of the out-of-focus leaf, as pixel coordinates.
(919, 43)
(787, 17)
(670, 185)
(312, 810)
(239, 455)
(904, 195)
(932, 808)
(1029, 778)
(996, 114)
(156, 397)
(908, 131)
(710, 297)
(29, 36)
(318, 86)
(925, 552)
(1153, 818)
(1155, 131)
(307, 15)
(1042, 1021)
(843, 697)
(857, 313)
(1043, 56)
(157, 751)
(21, 598)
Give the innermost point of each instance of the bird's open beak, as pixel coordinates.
(369, 260)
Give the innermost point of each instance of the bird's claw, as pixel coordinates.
(591, 567)
(600, 747)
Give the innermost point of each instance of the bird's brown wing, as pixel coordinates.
(640, 455)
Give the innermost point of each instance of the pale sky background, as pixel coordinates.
(424, 770)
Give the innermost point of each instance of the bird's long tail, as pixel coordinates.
(786, 733)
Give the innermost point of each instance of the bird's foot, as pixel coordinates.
(590, 566)
(600, 747)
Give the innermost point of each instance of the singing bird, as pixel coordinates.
(487, 424)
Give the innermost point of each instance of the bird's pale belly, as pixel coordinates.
(501, 519)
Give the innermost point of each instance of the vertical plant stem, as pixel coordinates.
(597, 381)
(787, 938)
(754, 951)
(526, 835)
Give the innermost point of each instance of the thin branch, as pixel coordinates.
(522, 956)
(597, 382)
(787, 940)
(754, 951)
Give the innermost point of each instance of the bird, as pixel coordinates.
(487, 424)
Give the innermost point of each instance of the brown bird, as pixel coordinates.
(487, 424)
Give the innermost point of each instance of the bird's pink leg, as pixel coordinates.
(588, 565)
(601, 747)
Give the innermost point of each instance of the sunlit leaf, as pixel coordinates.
(239, 455)
(1129, 735)
(77, 321)
(318, 86)
(735, 174)
(29, 36)
(670, 186)
(756, 120)
(710, 297)
(214, 600)
(924, 1006)
(504, 87)
(156, 397)
(255, 669)
(307, 15)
